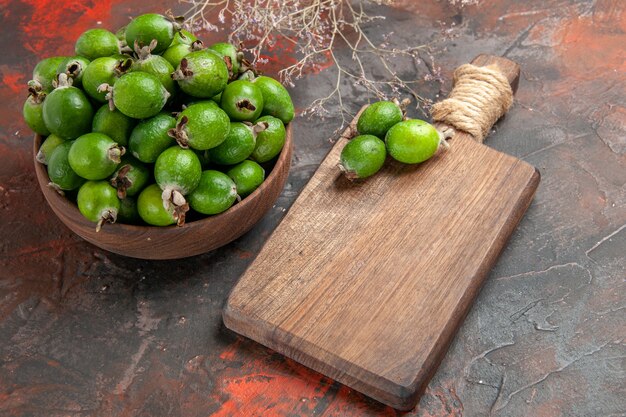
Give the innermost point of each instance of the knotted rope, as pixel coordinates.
(480, 96)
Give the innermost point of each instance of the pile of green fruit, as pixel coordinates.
(147, 123)
(410, 141)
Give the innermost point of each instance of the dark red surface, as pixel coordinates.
(84, 332)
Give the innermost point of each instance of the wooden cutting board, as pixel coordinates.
(368, 282)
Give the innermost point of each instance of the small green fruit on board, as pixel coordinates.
(156, 149)
(378, 118)
(363, 156)
(412, 141)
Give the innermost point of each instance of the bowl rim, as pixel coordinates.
(71, 209)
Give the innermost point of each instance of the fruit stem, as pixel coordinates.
(351, 175)
(107, 216)
(115, 152)
(56, 188)
(174, 202)
(62, 81)
(179, 133)
(183, 72)
(121, 182)
(109, 95)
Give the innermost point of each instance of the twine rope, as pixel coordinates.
(480, 96)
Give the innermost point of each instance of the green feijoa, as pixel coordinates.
(362, 157)
(247, 175)
(74, 67)
(242, 101)
(139, 95)
(183, 37)
(202, 74)
(412, 141)
(130, 177)
(113, 123)
(32, 111)
(98, 202)
(215, 193)
(147, 27)
(66, 111)
(276, 99)
(175, 53)
(217, 98)
(202, 126)
(232, 55)
(150, 207)
(96, 43)
(150, 137)
(45, 73)
(128, 213)
(157, 66)
(61, 174)
(238, 145)
(100, 71)
(378, 118)
(47, 147)
(270, 138)
(177, 171)
(95, 156)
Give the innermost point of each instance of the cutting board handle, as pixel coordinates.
(482, 93)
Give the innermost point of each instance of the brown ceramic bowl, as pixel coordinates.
(172, 242)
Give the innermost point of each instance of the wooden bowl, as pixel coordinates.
(172, 242)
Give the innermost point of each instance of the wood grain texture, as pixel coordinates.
(172, 242)
(368, 282)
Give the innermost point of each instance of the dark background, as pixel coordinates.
(85, 332)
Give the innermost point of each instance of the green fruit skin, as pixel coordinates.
(114, 124)
(269, 142)
(139, 174)
(121, 34)
(33, 116)
(179, 169)
(67, 112)
(143, 29)
(96, 43)
(412, 141)
(238, 146)
(238, 92)
(207, 125)
(95, 198)
(226, 49)
(183, 37)
(149, 138)
(59, 170)
(89, 156)
(276, 98)
(150, 207)
(210, 74)
(139, 95)
(128, 213)
(378, 118)
(215, 193)
(248, 176)
(99, 71)
(175, 53)
(363, 156)
(160, 68)
(46, 71)
(47, 147)
(74, 67)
